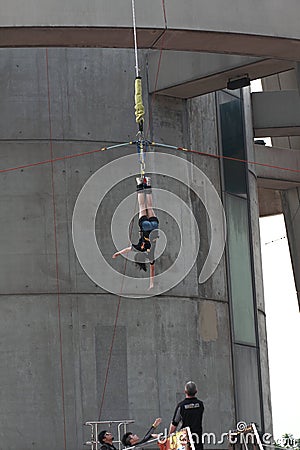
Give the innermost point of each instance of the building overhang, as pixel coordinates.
(277, 169)
(190, 74)
(276, 113)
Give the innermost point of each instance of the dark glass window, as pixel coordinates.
(232, 132)
(240, 276)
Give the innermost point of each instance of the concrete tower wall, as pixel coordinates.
(266, 18)
(55, 338)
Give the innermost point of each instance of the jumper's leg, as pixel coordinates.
(149, 199)
(141, 196)
(142, 204)
(149, 204)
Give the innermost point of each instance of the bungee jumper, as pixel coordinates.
(148, 228)
(148, 222)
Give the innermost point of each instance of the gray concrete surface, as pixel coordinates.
(188, 26)
(253, 200)
(269, 202)
(282, 159)
(160, 342)
(273, 176)
(284, 81)
(288, 195)
(190, 74)
(266, 18)
(269, 120)
(264, 368)
(290, 206)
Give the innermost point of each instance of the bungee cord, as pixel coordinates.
(137, 69)
(141, 144)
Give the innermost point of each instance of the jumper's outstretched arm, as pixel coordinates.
(122, 252)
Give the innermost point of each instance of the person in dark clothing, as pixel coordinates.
(106, 440)
(130, 439)
(190, 413)
(148, 225)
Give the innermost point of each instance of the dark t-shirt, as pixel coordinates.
(107, 446)
(144, 244)
(190, 413)
(147, 239)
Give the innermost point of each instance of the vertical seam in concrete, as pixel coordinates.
(253, 275)
(165, 13)
(56, 251)
(157, 364)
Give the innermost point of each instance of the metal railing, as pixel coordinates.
(120, 425)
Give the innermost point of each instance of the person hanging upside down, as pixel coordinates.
(148, 224)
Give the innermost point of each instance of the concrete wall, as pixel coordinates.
(268, 121)
(289, 155)
(290, 206)
(55, 337)
(160, 342)
(268, 17)
(267, 28)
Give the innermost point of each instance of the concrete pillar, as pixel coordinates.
(291, 211)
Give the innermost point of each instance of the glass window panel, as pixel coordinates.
(240, 269)
(247, 384)
(232, 132)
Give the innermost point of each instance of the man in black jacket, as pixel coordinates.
(106, 439)
(130, 439)
(189, 412)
